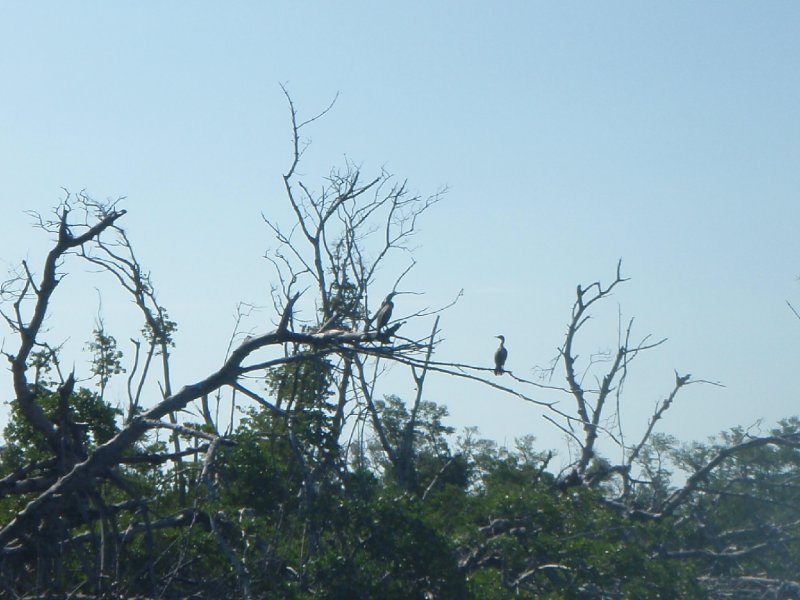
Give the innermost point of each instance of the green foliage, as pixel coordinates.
(91, 419)
(421, 446)
(385, 547)
(41, 361)
(306, 382)
(429, 429)
(261, 470)
(346, 302)
(480, 522)
(528, 539)
(303, 389)
(161, 331)
(105, 356)
(748, 500)
(655, 462)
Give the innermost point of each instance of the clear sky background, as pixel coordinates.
(570, 135)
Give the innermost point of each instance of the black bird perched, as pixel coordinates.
(387, 334)
(682, 380)
(500, 356)
(384, 313)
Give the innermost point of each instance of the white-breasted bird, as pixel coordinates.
(500, 356)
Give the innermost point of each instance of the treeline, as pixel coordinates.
(474, 520)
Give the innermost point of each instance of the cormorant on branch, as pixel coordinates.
(500, 356)
(386, 336)
(384, 313)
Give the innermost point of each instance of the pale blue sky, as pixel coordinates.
(569, 134)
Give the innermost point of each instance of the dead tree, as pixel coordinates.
(340, 238)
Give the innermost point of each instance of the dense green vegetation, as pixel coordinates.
(474, 521)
